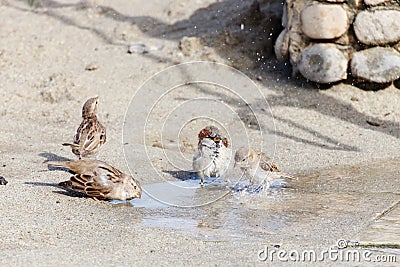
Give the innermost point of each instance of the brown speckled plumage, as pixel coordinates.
(213, 155)
(255, 165)
(91, 134)
(100, 180)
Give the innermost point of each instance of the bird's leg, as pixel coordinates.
(201, 175)
(251, 181)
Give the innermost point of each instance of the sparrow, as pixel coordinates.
(255, 166)
(213, 155)
(99, 180)
(91, 134)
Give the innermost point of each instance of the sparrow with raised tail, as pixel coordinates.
(213, 155)
(255, 165)
(91, 134)
(99, 180)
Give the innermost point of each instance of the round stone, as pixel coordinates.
(323, 21)
(323, 63)
(376, 64)
(375, 2)
(281, 46)
(378, 27)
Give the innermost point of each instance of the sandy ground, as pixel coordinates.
(56, 54)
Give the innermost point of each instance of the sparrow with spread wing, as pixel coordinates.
(99, 180)
(255, 165)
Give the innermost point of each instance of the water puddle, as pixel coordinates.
(320, 206)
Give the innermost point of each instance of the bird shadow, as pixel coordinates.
(66, 191)
(70, 193)
(42, 184)
(182, 175)
(53, 157)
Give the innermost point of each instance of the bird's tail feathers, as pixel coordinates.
(70, 144)
(58, 163)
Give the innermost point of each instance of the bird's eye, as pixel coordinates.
(243, 159)
(134, 187)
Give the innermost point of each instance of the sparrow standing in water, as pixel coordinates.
(213, 156)
(99, 180)
(255, 166)
(91, 134)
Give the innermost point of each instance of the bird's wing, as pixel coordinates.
(102, 131)
(92, 136)
(96, 178)
(107, 174)
(265, 163)
(89, 185)
(81, 130)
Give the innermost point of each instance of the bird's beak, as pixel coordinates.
(216, 139)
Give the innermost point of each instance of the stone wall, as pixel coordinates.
(327, 40)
